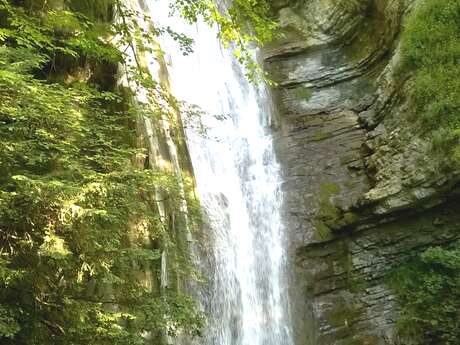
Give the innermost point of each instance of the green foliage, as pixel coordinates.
(57, 32)
(428, 291)
(80, 232)
(431, 51)
(243, 24)
(77, 218)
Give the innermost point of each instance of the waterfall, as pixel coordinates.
(238, 181)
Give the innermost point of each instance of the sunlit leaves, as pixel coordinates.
(242, 25)
(71, 202)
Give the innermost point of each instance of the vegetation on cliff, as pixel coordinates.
(431, 51)
(79, 224)
(428, 289)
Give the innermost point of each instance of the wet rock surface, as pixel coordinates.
(363, 189)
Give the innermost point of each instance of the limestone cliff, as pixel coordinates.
(363, 190)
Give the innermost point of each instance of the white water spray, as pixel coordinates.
(239, 185)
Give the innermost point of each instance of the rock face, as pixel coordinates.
(363, 190)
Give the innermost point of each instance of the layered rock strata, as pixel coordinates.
(363, 190)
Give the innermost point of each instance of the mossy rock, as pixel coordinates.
(330, 215)
(329, 189)
(303, 93)
(322, 231)
(343, 314)
(350, 218)
(357, 285)
(319, 136)
(354, 284)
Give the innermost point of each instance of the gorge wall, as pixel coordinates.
(363, 189)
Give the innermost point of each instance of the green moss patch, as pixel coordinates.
(328, 213)
(303, 93)
(331, 217)
(323, 232)
(328, 189)
(343, 313)
(319, 136)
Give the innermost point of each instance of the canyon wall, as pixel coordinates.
(363, 189)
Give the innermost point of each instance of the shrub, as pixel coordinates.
(428, 291)
(431, 51)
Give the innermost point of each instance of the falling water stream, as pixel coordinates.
(238, 181)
